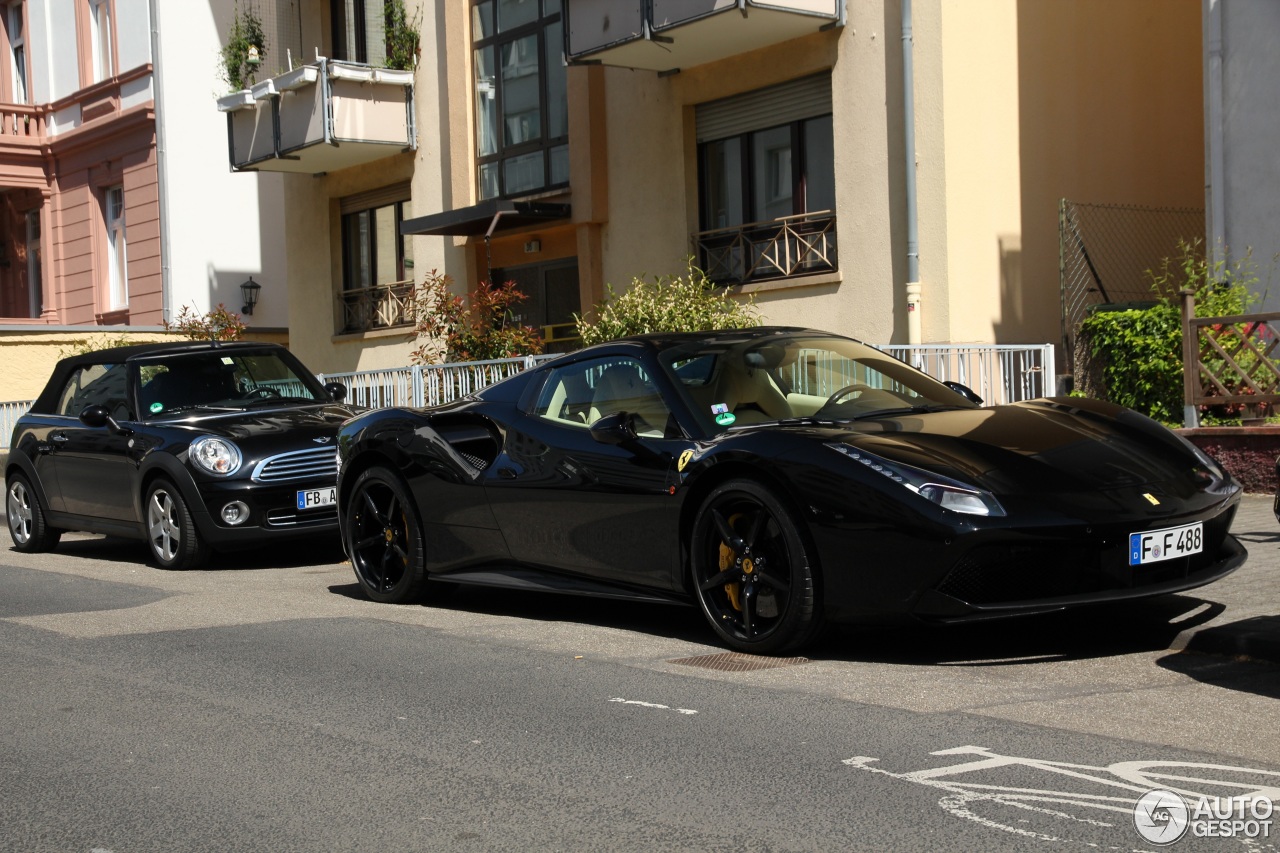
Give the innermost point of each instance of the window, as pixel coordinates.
(97, 385)
(768, 174)
(580, 394)
(104, 63)
(117, 277)
(377, 261)
(17, 52)
(522, 116)
(359, 30)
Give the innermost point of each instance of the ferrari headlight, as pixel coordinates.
(943, 491)
(215, 455)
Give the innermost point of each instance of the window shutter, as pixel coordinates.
(380, 197)
(776, 105)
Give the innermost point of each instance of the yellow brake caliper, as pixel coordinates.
(726, 563)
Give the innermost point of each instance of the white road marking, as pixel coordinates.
(653, 705)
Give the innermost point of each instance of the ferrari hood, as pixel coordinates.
(1032, 447)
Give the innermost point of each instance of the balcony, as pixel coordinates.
(788, 247)
(321, 117)
(383, 306)
(663, 35)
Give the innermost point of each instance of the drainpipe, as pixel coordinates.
(909, 140)
(162, 164)
(1215, 164)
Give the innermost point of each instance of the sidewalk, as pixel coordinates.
(1250, 623)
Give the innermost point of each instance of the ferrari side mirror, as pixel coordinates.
(615, 428)
(964, 391)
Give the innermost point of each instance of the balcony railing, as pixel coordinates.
(321, 117)
(660, 35)
(383, 306)
(778, 248)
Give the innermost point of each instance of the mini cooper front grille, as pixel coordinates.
(292, 518)
(321, 463)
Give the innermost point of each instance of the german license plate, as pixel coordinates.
(315, 498)
(1156, 545)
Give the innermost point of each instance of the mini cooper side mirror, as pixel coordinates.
(964, 391)
(96, 417)
(616, 428)
(336, 391)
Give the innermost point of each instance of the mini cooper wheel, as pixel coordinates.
(752, 572)
(27, 525)
(385, 539)
(171, 534)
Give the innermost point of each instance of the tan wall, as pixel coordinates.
(1110, 111)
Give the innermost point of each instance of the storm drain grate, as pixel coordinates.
(737, 662)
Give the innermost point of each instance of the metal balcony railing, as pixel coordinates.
(382, 306)
(787, 247)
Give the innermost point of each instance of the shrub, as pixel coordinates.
(451, 329)
(687, 303)
(1140, 351)
(216, 325)
(237, 68)
(402, 36)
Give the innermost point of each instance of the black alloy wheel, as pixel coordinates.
(385, 538)
(171, 533)
(27, 525)
(752, 571)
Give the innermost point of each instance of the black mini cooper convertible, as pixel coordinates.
(192, 447)
(777, 478)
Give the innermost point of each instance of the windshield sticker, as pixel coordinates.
(719, 408)
(226, 359)
(157, 407)
(725, 418)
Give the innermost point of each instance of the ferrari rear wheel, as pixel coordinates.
(27, 525)
(752, 570)
(385, 539)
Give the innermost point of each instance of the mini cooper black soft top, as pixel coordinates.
(192, 447)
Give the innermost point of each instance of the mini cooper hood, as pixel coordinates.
(302, 421)
(1042, 446)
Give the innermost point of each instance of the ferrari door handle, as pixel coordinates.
(59, 438)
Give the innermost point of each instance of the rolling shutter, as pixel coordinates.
(781, 104)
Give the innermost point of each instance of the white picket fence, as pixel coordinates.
(999, 373)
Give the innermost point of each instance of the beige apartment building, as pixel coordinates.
(887, 169)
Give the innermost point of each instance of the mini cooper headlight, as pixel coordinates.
(943, 491)
(215, 455)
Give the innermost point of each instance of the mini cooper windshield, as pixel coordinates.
(228, 381)
(741, 382)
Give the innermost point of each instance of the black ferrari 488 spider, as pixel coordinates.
(778, 478)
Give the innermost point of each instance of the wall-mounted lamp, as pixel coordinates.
(249, 291)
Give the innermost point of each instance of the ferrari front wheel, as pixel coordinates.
(385, 539)
(752, 570)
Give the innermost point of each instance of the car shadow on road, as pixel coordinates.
(321, 550)
(1097, 631)
(673, 621)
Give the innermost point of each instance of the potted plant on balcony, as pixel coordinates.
(241, 57)
(401, 36)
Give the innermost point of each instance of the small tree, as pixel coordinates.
(450, 328)
(245, 50)
(687, 303)
(401, 36)
(1138, 353)
(216, 325)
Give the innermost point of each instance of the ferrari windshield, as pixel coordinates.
(755, 379)
(228, 380)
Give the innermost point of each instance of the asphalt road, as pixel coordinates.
(264, 705)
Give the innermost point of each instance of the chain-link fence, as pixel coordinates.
(1106, 250)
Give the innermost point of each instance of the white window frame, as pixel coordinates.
(100, 38)
(20, 89)
(117, 257)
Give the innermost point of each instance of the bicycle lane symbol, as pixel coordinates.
(1099, 810)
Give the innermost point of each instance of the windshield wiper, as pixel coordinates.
(906, 410)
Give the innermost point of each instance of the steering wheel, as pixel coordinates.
(261, 392)
(845, 392)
